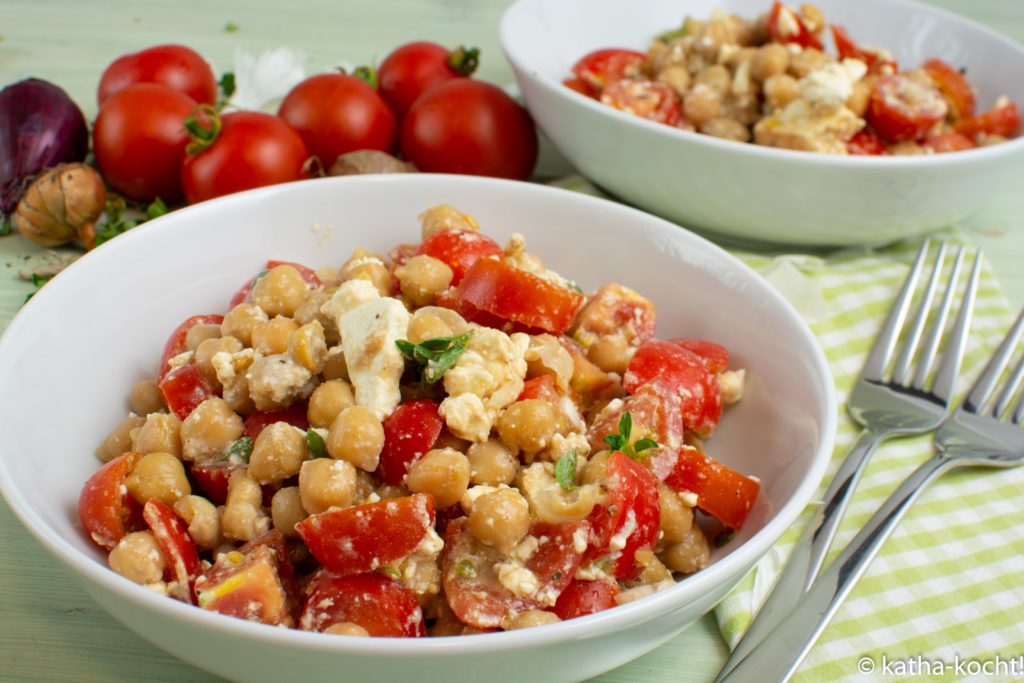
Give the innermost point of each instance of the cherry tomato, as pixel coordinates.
(139, 141)
(953, 86)
(901, 108)
(598, 69)
(948, 142)
(381, 605)
(513, 294)
(876, 59)
(1002, 119)
(349, 540)
(295, 415)
(785, 25)
(409, 431)
(647, 99)
(459, 249)
(213, 478)
(172, 536)
(178, 67)
(252, 149)
(184, 388)
(336, 113)
(866, 142)
(106, 509)
(176, 343)
(616, 310)
(414, 68)
(469, 127)
(715, 356)
(585, 597)
(723, 493)
(579, 85)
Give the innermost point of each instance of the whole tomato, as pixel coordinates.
(176, 66)
(414, 68)
(335, 113)
(470, 127)
(139, 140)
(252, 149)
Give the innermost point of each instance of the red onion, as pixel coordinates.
(40, 127)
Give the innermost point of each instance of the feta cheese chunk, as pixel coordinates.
(375, 365)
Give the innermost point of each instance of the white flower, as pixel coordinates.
(260, 81)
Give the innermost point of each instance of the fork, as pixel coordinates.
(985, 430)
(899, 403)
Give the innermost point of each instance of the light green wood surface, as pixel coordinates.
(49, 628)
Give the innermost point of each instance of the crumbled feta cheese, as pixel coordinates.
(375, 365)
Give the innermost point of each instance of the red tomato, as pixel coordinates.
(139, 141)
(106, 509)
(953, 86)
(698, 390)
(901, 108)
(866, 142)
(414, 68)
(176, 66)
(786, 26)
(585, 597)
(409, 431)
(876, 59)
(176, 343)
(723, 493)
(947, 142)
(632, 503)
(1000, 120)
(252, 149)
(513, 294)
(715, 356)
(646, 99)
(172, 535)
(616, 310)
(336, 113)
(244, 293)
(294, 415)
(184, 388)
(459, 249)
(601, 68)
(212, 478)
(580, 86)
(381, 605)
(350, 540)
(470, 127)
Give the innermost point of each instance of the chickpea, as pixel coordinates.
(309, 311)
(688, 555)
(813, 18)
(119, 440)
(240, 321)
(271, 336)
(206, 350)
(716, 77)
(596, 469)
(160, 432)
(500, 518)
(145, 398)
(137, 556)
(725, 128)
(280, 291)
(326, 483)
(327, 401)
(346, 628)
(422, 277)
(423, 327)
(286, 510)
(529, 619)
(366, 265)
(780, 90)
(701, 104)
(277, 453)
(675, 77)
(356, 435)
(243, 518)
(769, 60)
(208, 430)
(858, 101)
(200, 333)
(158, 475)
(443, 473)
(610, 352)
(445, 217)
(203, 520)
(492, 463)
(527, 425)
(308, 347)
(807, 60)
(676, 516)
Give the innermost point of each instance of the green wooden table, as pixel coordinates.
(49, 628)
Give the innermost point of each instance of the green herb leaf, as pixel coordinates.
(620, 442)
(435, 356)
(240, 449)
(724, 537)
(37, 281)
(227, 84)
(465, 569)
(565, 471)
(392, 572)
(231, 27)
(315, 443)
(156, 208)
(5, 226)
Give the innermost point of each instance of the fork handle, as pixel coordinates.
(780, 653)
(810, 549)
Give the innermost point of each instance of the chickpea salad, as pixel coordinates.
(445, 439)
(771, 81)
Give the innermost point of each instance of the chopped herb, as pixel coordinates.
(258, 276)
(5, 226)
(556, 576)
(117, 223)
(574, 287)
(565, 471)
(724, 537)
(240, 448)
(315, 443)
(231, 27)
(620, 442)
(435, 355)
(392, 572)
(465, 569)
(155, 209)
(227, 85)
(38, 281)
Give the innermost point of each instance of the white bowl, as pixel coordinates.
(745, 192)
(69, 357)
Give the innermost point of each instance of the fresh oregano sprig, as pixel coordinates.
(620, 442)
(435, 356)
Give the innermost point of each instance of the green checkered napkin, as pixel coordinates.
(947, 589)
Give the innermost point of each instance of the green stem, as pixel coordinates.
(464, 60)
(202, 136)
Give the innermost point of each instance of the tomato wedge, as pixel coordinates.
(459, 249)
(295, 415)
(175, 344)
(105, 507)
(585, 597)
(948, 142)
(184, 388)
(513, 294)
(902, 109)
(601, 68)
(365, 537)
(172, 535)
(715, 356)
(786, 26)
(866, 142)
(381, 605)
(723, 493)
(409, 432)
(644, 98)
(1000, 120)
(953, 86)
(876, 59)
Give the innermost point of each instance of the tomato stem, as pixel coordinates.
(464, 60)
(367, 74)
(203, 126)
